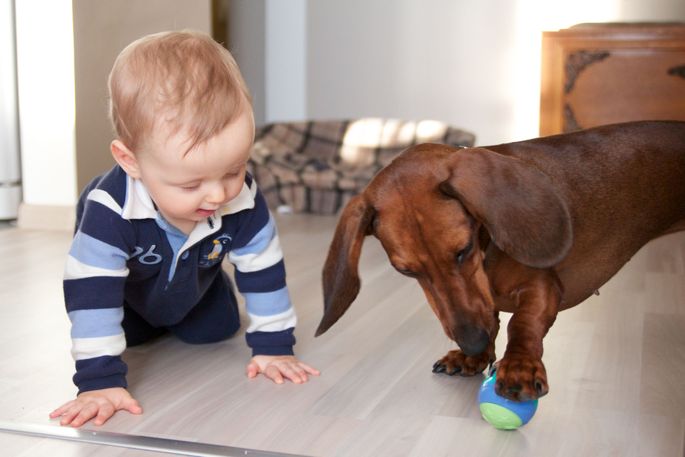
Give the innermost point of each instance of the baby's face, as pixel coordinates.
(188, 186)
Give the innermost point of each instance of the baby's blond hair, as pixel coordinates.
(182, 78)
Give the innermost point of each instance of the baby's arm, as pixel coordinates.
(260, 277)
(94, 278)
(98, 404)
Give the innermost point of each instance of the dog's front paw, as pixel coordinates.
(457, 363)
(521, 378)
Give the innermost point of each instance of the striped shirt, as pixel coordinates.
(123, 251)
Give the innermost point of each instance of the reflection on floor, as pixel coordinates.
(8, 224)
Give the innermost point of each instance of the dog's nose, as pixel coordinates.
(472, 340)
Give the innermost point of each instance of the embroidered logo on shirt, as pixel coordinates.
(149, 258)
(219, 244)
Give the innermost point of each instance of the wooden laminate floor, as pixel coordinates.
(616, 366)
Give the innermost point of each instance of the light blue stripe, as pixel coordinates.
(176, 240)
(260, 241)
(96, 253)
(267, 303)
(92, 323)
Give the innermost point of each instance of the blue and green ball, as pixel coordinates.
(500, 412)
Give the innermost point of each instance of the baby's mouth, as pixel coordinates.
(205, 212)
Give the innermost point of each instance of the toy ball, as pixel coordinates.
(500, 412)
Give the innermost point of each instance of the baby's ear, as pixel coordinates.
(125, 158)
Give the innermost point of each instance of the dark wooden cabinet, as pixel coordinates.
(595, 74)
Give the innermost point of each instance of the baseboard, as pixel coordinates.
(46, 217)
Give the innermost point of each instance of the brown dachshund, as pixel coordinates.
(531, 228)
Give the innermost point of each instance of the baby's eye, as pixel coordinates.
(190, 187)
(232, 174)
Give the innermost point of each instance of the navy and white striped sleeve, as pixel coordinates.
(260, 277)
(94, 278)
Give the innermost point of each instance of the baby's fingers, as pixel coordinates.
(297, 372)
(132, 406)
(294, 373)
(274, 373)
(67, 412)
(87, 412)
(68, 416)
(309, 369)
(105, 412)
(61, 410)
(252, 369)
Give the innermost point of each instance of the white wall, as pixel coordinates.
(474, 64)
(45, 71)
(247, 42)
(268, 39)
(471, 63)
(10, 175)
(286, 49)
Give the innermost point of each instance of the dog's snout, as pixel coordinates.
(472, 340)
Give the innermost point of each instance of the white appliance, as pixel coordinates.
(10, 169)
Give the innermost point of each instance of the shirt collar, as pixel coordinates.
(244, 200)
(139, 204)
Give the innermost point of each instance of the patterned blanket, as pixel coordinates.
(317, 166)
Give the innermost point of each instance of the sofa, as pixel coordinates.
(317, 166)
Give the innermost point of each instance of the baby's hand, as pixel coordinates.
(275, 367)
(100, 404)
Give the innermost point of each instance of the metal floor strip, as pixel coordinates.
(146, 443)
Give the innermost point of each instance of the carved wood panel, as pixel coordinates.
(601, 74)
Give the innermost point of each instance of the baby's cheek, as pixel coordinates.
(235, 190)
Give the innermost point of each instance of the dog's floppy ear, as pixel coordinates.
(516, 202)
(340, 272)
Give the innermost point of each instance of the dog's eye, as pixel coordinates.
(406, 272)
(461, 255)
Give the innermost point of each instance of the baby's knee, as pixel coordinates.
(207, 335)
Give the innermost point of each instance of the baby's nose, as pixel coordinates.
(217, 194)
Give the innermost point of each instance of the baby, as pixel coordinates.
(151, 233)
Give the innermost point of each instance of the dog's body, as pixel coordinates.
(531, 228)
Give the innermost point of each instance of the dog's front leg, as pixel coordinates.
(536, 295)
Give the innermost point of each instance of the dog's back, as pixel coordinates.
(624, 185)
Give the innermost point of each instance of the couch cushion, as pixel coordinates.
(317, 166)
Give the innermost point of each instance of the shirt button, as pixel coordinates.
(184, 255)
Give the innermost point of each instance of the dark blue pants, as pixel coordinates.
(214, 318)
